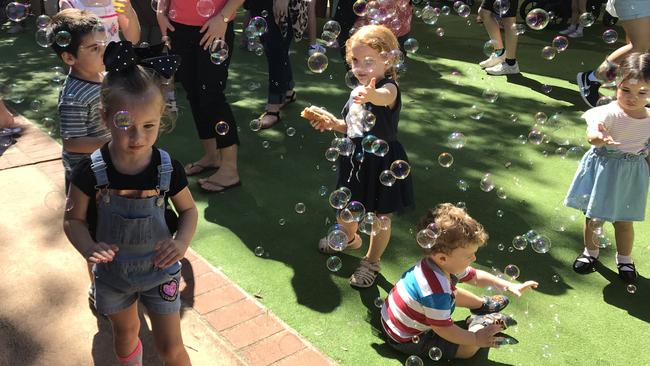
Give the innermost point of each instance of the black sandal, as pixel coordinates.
(627, 272)
(289, 98)
(263, 125)
(583, 267)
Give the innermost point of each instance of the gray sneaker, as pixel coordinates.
(503, 69)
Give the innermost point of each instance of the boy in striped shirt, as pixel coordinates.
(81, 128)
(416, 316)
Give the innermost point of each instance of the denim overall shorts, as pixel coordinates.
(135, 223)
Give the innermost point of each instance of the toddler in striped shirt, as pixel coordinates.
(416, 316)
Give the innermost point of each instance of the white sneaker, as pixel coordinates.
(492, 60)
(503, 69)
(569, 30)
(576, 34)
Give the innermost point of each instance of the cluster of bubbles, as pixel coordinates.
(318, 61)
(426, 238)
(539, 243)
(256, 27)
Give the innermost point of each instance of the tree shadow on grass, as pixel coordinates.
(557, 92)
(616, 294)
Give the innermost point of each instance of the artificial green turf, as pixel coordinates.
(584, 320)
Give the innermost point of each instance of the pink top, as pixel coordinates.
(632, 133)
(187, 11)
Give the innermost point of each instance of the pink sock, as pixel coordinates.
(133, 359)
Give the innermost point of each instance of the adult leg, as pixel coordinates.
(492, 27)
(185, 42)
(276, 47)
(215, 107)
(511, 38)
(166, 329)
(126, 326)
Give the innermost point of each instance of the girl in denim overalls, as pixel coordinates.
(611, 183)
(118, 218)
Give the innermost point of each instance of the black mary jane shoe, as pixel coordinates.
(627, 272)
(582, 267)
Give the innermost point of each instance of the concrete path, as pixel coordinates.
(44, 314)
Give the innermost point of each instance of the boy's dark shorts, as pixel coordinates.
(511, 13)
(428, 340)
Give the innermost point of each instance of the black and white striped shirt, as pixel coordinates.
(79, 116)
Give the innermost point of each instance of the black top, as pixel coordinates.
(84, 179)
(387, 118)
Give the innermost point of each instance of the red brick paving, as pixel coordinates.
(253, 332)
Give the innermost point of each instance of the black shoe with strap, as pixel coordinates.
(585, 264)
(491, 304)
(627, 272)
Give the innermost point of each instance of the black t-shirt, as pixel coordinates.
(84, 178)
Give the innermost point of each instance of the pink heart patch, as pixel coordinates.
(170, 288)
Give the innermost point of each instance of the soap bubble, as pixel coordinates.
(519, 29)
(380, 147)
(537, 19)
(259, 251)
(43, 21)
(501, 193)
(205, 8)
(445, 160)
(486, 183)
(426, 238)
(337, 239)
(456, 140)
(17, 12)
(218, 52)
(610, 36)
(63, 38)
(440, 31)
(122, 120)
(501, 247)
(353, 212)
(560, 43)
(435, 353)
(400, 169)
(334, 263)
(519, 242)
(300, 208)
(490, 95)
(387, 178)
(332, 26)
(411, 45)
(631, 288)
(379, 302)
(359, 7)
(512, 271)
(464, 11)
(555, 278)
(331, 154)
(586, 19)
(317, 62)
(549, 52)
(541, 244)
(338, 199)
(43, 38)
(414, 360)
(602, 241)
(370, 224)
(475, 113)
(429, 15)
(489, 47)
(462, 185)
(501, 7)
(222, 128)
(500, 214)
(535, 136)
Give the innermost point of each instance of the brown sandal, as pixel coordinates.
(265, 126)
(366, 274)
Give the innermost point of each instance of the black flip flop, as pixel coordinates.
(224, 188)
(203, 169)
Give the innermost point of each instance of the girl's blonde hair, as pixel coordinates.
(119, 89)
(636, 66)
(454, 228)
(377, 37)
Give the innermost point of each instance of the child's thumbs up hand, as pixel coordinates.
(367, 93)
(102, 253)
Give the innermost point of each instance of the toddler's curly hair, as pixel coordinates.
(454, 228)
